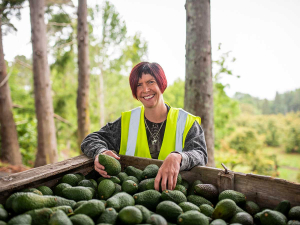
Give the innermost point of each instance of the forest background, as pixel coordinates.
(251, 135)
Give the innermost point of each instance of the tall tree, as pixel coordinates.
(9, 139)
(47, 146)
(83, 118)
(199, 85)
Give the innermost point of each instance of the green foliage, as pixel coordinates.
(174, 94)
(291, 141)
(283, 103)
(244, 140)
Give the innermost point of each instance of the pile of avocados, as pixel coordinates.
(129, 197)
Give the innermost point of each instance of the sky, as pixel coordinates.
(263, 36)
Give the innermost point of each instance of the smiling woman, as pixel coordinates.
(154, 130)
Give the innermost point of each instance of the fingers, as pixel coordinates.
(164, 182)
(174, 181)
(170, 181)
(100, 168)
(157, 180)
(110, 153)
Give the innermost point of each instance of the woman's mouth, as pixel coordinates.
(148, 97)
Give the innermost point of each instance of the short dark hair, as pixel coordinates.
(154, 69)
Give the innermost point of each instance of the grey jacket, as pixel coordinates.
(108, 137)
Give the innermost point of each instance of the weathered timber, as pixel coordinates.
(265, 191)
(225, 181)
(45, 175)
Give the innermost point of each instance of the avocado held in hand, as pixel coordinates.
(112, 165)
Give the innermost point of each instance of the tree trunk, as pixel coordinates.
(47, 147)
(83, 119)
(198, 82)
(10, 152)
(101, 98)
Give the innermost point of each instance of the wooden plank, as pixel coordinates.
(267, 191)
(45, 175)
(225, 181)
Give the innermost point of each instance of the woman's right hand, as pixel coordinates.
(100, 168)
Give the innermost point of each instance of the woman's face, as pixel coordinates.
(148, 91)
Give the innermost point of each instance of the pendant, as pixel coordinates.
(154, 141)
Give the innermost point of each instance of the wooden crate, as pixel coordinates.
(264, 190)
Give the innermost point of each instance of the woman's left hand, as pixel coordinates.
(168, 172)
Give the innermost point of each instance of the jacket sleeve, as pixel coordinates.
(107, 138)
(194, 152)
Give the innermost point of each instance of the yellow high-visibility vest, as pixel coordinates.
(134, 137)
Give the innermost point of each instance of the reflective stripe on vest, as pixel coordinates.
(133, 131)
(134, 137)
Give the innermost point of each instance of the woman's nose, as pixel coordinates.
(146, 88)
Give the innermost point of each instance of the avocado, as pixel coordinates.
(169, 210)
(132, 171)
(149, 199)
(92, 208)
(179, 179)
(112, 166)
(23, 219)
(108, 216)
(283, 207)
(150, 171)
(33, 190)
(94, 183)
(3, 214)
(207, 210)
(238, 197)
(207, 191)
(198, 200)
(181, 188)
(130, 215)
(45, 190)
(79, 204)
(69, 179)
(40, 216)
(118, 188)
(114, 179)
(106, 188)
(65, 208)
(187, 206)
(79, 176)
(218, 222)
(130, 187)
(86, 183)
(185, 183)
(293, 222)
(119, 201)
(174, 196)
(145, 212)
(122, 176)
(81, 219)
(192, 217)
(144, 184)
(191, 190)
(131, 178)
(271, 217)
(157, 220)
(59, 218)
(242, 218)
(224, 210)
(294, 213)
(9, 200)
(60, 187)
(251, 207)
(29, 201)
(77, 193)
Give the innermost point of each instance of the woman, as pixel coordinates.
(154, 130)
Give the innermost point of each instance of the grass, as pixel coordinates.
(288, 163)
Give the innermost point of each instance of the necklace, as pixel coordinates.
(154, 136)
